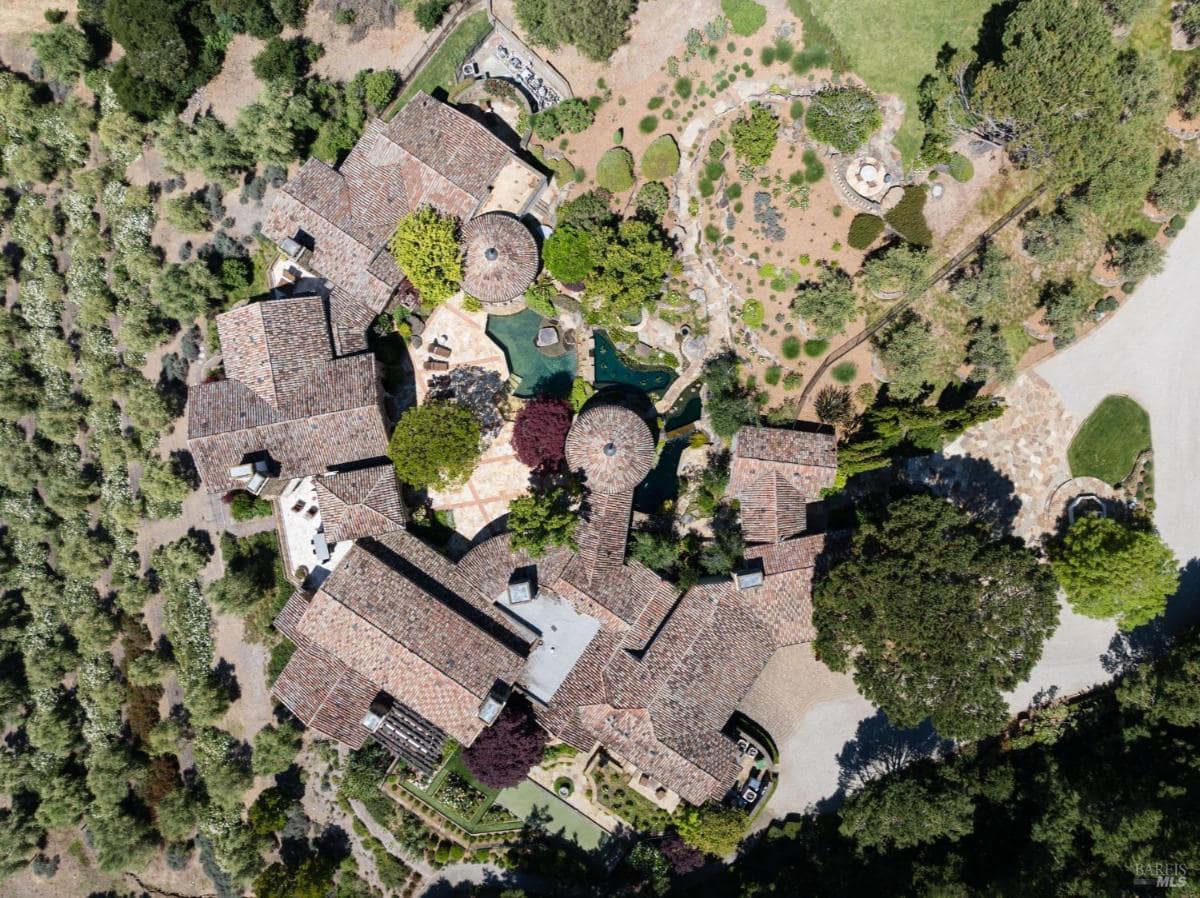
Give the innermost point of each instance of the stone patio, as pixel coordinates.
(463, 334)
(1012, 470)
(498, 479)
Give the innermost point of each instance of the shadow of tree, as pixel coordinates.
(970, 484)
(879, 748)
(1130, 648)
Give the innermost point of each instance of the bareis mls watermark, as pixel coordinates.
(1160, 875)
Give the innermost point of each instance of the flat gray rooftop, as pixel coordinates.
(564, 632)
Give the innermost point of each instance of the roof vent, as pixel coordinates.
(610, 449)
(521, 591)
(490, 254)
(750, 576)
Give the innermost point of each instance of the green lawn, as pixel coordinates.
(442, 69)
(560, 818)
(895, 45)
(1110, 440)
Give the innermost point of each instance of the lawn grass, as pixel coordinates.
(1110, 440)
(442, 68)
(894, 49)
(528, 799)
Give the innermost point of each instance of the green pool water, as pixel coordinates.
(611, 369)
(539, 373)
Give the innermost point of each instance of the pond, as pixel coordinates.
(611, 368)
(539, 373)
(686, 410)
(662, 483)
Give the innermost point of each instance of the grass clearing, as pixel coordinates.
(894, 51)
(442, 69)
(1110, 440)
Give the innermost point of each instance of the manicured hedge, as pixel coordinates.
(615, 170)
(864, 230)
(908, 218)
(661, 159)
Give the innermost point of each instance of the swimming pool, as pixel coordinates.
(539, 373)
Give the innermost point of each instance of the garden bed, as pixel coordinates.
(462, 799)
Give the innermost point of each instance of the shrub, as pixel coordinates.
(833, 405)
(829, 303)
(754, 136)
(745, 16)
(907, 217)
(791, 348)
(772, 375)
(428, 13)
(245, 507)
(792, 380)
(814, 171)
(864, 230)
(652, 200)
(648, 124)
(1135, 256)
(615, 171)
(540, 432)
(683, 87)
(655, 103)
(814, 349)
(844, 372)
(567, 254)
(753, 314)
(843, 117)
(961, 168)
(282, 61)
(661, 159)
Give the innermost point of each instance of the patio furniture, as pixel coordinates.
(439, 351)
(436, 365)
(298, 507)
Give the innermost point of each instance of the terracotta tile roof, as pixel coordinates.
(773, 474)
(287, 621)
(501, 257)
(374, 656)
(326, 694)
(612, 446)
(437, 619)
(602, 532)
(305, 408)
(360, 502)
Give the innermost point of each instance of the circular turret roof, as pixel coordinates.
(612, 446)
(501, 257)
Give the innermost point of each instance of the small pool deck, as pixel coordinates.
(464, 334)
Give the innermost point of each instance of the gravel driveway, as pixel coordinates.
(1147, 351)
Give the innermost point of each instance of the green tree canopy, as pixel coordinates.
(1113, 569)
(630, 272)
(829, 303)
(541, 519)
(936, 618)
(567, 254)
(1056, 90)
(427, 250)
(843, 117)
(435, 445)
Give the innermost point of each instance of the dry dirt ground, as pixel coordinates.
(18, 20)
(235, 86)
(373, 42)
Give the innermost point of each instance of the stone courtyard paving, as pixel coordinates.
(1012, 471)
(498, 479)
